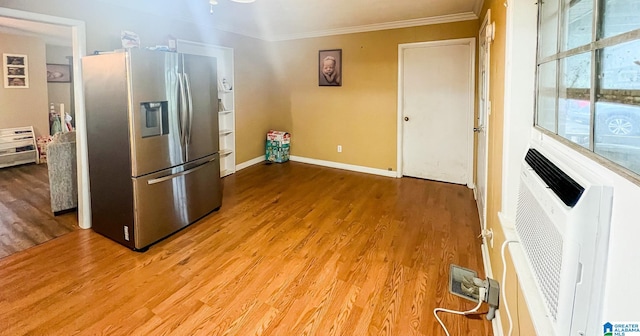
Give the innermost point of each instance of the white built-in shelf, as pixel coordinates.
(225, 152)
(225, 172)
(17, 146)
(225, 112)
(225, 132)
(225, 91)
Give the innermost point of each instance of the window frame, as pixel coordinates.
(595, 48)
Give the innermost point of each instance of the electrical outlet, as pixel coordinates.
(459, 278)
(339, 148)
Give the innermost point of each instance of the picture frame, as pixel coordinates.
(15, 70)
(330, 67)
(58, 73)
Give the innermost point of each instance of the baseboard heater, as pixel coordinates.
(562, 222)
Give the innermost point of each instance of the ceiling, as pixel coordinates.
(51, 34)
(275, 20)
(290, 19)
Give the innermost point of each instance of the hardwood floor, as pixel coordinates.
(26, 219)
(296, 249)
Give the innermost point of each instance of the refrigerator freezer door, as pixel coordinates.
(105, 94)
(153, 112)
(202, 95)
(169, 200)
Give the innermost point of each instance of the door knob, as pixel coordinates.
(406, 118)
(478, 129)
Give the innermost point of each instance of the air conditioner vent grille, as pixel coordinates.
(567, 189)
(543, 245)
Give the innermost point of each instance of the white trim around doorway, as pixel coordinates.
(78, 38)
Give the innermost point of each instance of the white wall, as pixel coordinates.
(620, 303)
(519, 94)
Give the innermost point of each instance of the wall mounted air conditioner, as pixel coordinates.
(562, 222)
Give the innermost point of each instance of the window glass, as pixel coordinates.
(574, 115)
(620, 16)
(566, 81)
(617, 128)
(548, 36)
(616, 134)
(578, 23)
(547, 90)
(619, 70)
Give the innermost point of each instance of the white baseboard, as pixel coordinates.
(250, 163)
(331, 164)
(496, 323)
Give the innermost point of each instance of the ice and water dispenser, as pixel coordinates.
(154, 118)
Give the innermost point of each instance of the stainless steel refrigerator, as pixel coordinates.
(152, 127)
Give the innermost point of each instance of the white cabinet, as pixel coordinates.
(226, 99)
(17, 146)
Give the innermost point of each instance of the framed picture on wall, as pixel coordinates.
(330, 67)
(15, 69)
(58, 73)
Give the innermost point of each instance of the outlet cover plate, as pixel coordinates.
(456, 275)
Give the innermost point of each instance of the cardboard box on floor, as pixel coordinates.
(277, 148)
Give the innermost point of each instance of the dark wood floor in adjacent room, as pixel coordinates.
(26, 219)
(296, 249)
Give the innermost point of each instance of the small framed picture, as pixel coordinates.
(58, 73)
(330, 67)
(15, 71)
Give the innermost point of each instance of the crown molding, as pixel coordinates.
(477, 7)
(378, 26)
(360, 29)
(245, 33)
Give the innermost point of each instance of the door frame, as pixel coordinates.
(486, 24)
(78, 41)
(471, 42)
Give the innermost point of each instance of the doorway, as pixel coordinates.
(77, 37)
(435, 110)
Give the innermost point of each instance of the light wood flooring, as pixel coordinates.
(26, 219)
(296, 249)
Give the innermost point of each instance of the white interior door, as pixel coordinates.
(437, 109)
(483, 124)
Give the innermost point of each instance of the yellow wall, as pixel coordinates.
(522, 321)
(361, 115)
(259, 104)
(28, 106)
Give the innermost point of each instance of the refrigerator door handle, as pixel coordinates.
(182, 173)
(189, 108)
(183, 115)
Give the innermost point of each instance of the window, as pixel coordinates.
(588, 76)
